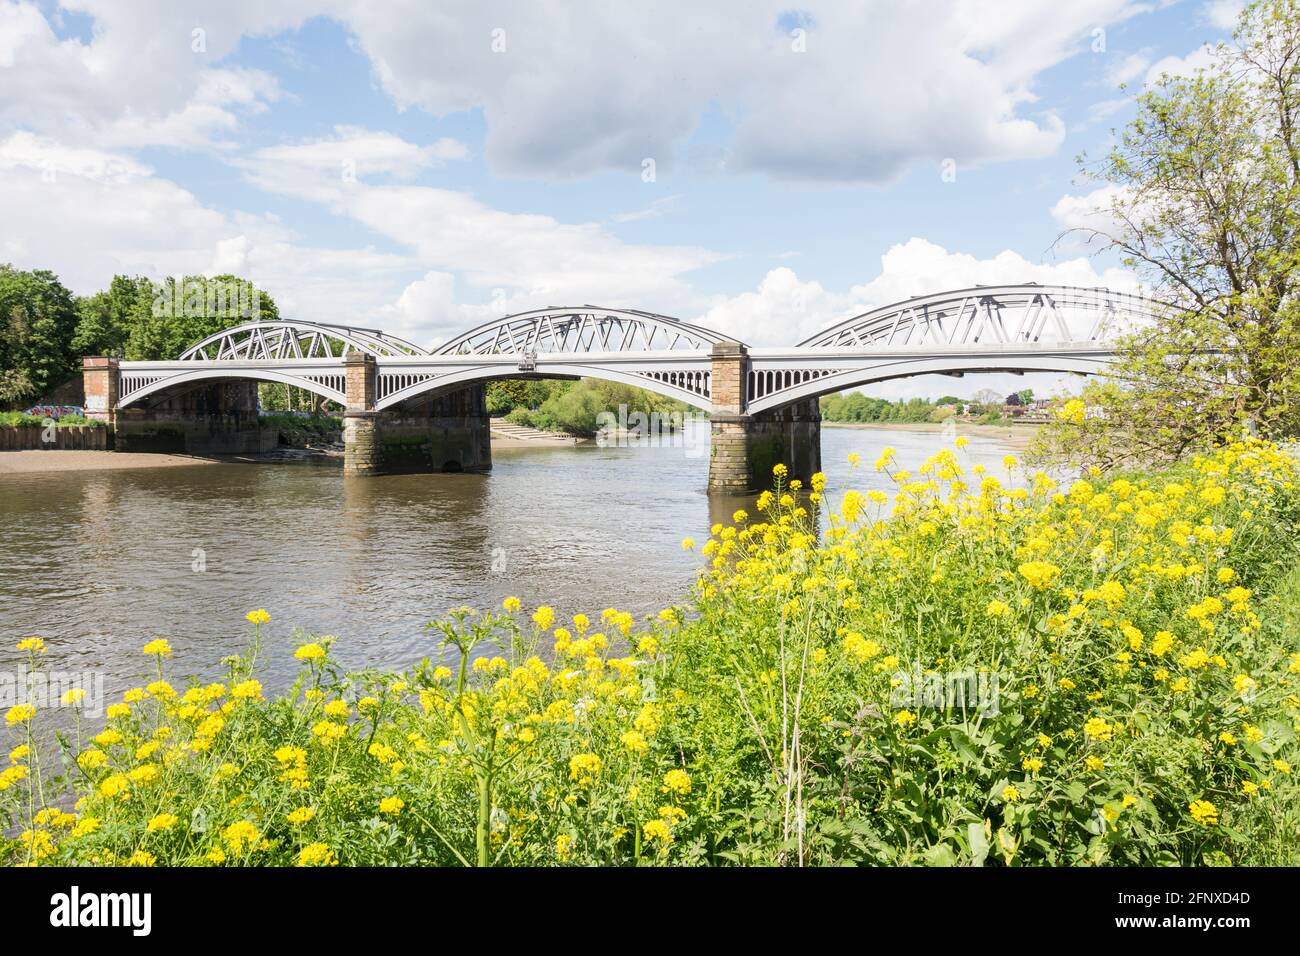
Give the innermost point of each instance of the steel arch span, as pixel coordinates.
(1016, 328)
(584, 329)
(1021, 314)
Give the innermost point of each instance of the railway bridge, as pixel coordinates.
(407, 408)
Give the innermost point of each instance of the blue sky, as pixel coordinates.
(426, 166)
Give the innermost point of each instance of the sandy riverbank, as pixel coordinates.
(1017, 436)
(36, 460)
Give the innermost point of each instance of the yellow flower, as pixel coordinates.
(19, 714)
(544, 617)
(997, 609)
(905, 718)
(1203, 812)
(391, 805)
(34, 645)
(310, 652)
(779, 470)
(316, 854)
(1040, 574)
(257, 617)
(163, 821)
(1072, 411)
(584, 768)
(301, 815)
(1094, 763)
(677, 781)
(1098, 728)
(72, 698)
(1010, 794)
(158, 648)
(511, 604)
(688, 544)
(635, 741)
(657, 830)
(247, 690)
(240, 835)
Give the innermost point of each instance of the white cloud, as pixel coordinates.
(1128, 68)
(1223, 13)
(1180, 66)
(533, 259)
(1088, 212)
(139, 80)
(578, 89)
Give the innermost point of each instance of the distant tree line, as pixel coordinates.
(855, 407)
(45, 330)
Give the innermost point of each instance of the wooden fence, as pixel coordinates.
(68, 438)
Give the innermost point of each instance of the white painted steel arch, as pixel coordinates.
(583, 329)
(295, 340)
(1027, 313)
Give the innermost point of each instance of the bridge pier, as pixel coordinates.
(744, 448)
(213, 418)
(448, 433)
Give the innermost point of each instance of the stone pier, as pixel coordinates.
(744, 448)
(448, 432)
(213, 418)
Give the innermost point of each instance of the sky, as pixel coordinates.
(422, 166)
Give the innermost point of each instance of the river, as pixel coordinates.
(99, 563)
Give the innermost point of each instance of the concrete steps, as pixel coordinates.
(509, 430)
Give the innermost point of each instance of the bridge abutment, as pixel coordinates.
(450, 432)
(744, 448)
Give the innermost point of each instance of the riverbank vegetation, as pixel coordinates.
(14, 419)
(956, 672)
(858, 408)
(575, 408)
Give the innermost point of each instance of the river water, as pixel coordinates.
(99, 563)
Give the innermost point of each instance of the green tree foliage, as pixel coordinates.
(506, 395)
(856, 407)
(1206, 206)
(576, 408)
(167, 318)
(45, 331)
(37, 319)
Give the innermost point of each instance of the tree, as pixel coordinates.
(1204, 201)
(37, 320)
(106, 317)
(166, 318)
